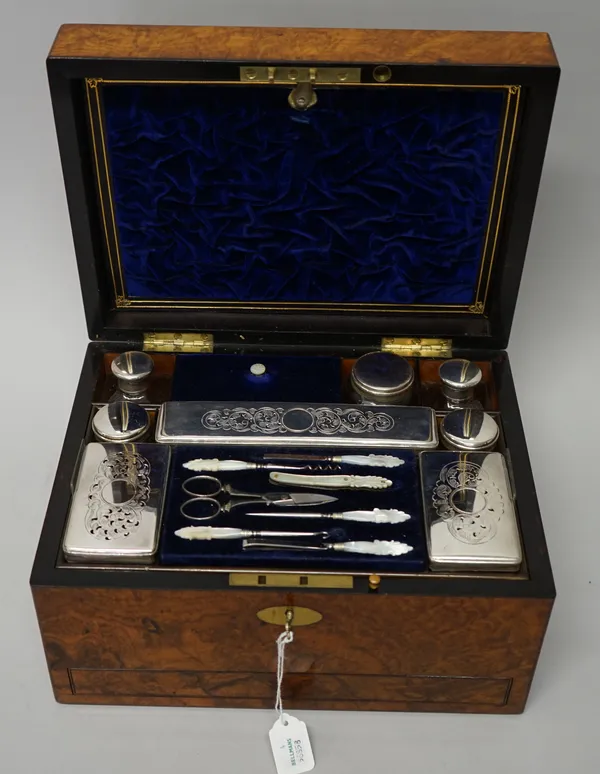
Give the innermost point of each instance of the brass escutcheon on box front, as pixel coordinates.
(278, 616)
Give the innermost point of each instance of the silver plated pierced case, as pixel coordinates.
(289, 424)
(117, 502)
(470, 517)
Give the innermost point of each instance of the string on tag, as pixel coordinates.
(284, 639)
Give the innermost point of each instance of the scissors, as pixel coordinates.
(203, 504)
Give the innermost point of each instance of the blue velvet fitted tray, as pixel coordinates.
(404, 494)
(375, 199)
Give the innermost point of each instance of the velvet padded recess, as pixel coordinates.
(228, 377)
(374, 195)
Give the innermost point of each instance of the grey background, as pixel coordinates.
(554, 355)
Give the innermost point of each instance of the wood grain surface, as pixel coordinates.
(208, 648)
(275, 44)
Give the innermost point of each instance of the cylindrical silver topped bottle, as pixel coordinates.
(382, 377)
(132, 370)
(468, 429)
(459, 379)
(120, 422)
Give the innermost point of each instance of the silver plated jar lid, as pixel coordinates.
(459, 378)
(382, 377)
(469, 429)
(120, 422)
(132, 370)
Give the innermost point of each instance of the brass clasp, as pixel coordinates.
(303, 95)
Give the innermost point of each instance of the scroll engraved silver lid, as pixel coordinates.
(132, 370)
(120, 422)
(382, 374)
(290, 424)
(469, 429)
(459, 374)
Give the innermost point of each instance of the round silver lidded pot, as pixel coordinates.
(469, 429)
(120, 422)
(459, 379)
(382, 377)
(132, 370)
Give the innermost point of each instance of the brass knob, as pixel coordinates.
(374, 581)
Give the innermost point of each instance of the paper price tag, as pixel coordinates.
(291, 746)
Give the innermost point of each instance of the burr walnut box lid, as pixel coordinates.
(376, 182)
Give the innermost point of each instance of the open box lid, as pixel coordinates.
(347, 181)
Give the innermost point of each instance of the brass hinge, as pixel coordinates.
(441, 348)
(178, 342)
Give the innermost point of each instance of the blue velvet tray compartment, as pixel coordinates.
(228, 377)
(225, 196)
(403, 495)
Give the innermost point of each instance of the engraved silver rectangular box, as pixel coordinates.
(289, 424)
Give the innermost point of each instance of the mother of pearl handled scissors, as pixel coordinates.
(331, 482)
(203, 504)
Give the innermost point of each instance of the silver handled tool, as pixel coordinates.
(368, 460)
(231, 533)
(215, 465)
(374, 547)
(331, 482)
(376, 516)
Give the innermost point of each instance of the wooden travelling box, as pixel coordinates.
(296, 197)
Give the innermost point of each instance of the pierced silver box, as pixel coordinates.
(470, 516)
(117, 502)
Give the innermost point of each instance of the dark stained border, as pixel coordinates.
(279, 43)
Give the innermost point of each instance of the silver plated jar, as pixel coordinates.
(459, 378)
(121, 422)
(132, 370)
(469, 429)
(382, 378)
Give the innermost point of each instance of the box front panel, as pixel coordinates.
(210, 648)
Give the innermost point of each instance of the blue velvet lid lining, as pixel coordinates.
(225, 195)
